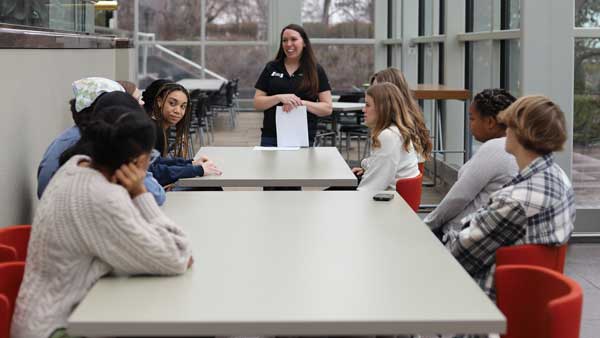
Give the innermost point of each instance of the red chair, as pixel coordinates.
(538, 302)
(422, 168)
(16, 236)
(7, 253)
(11, 276)
(547, 256)
(410, 189)
(4, 317)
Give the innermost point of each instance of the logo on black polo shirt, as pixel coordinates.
(275, 74)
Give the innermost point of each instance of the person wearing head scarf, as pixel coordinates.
(88, 93)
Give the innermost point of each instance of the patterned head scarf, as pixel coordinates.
(87, 90)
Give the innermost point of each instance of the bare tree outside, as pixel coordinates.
(348, 66)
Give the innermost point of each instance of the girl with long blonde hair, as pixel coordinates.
(395, 76)
(396, 139)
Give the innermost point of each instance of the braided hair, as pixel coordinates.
(182, 128)
(490, 102)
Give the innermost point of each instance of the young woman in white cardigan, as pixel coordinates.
(397, 136)
(95, 218)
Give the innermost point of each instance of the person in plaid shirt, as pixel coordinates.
(536, 207)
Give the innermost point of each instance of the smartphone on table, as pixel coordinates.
(383, 197)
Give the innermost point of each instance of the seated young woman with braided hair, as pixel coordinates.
(487, 171)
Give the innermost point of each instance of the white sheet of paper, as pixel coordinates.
(275, 148)
(292, 127)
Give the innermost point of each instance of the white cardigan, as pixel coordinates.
(84, 228)
(389, 162)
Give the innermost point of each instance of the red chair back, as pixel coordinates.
(422, 168)
(551, 257)
(538, 302)
(7, 253)
(11, 276)
(5, 317)
(410, 189)
(16, 236)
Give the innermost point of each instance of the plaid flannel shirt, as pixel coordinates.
(536, 207)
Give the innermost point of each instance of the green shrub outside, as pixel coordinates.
(586, 126)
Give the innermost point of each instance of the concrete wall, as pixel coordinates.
(35, 87)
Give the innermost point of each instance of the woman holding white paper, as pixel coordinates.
(293, 79)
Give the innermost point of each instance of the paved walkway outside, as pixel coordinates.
(586, 181)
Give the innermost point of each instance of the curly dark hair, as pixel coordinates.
(490, 102)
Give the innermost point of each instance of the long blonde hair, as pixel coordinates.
(392, 110)
(395, 76)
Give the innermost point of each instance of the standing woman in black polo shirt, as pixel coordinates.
(293, 79)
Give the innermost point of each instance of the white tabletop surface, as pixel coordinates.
(280, 263)
(347, 106)
(246, 167)
(201, 84)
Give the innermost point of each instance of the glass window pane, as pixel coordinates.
(497, 14)
(229, 62)
(482, 15)
(586, 124)
(233, 62)
(428, 77)
(428, 11)
(70, 15)
(481, 56)
(124, 15)
(586, 13)
(347, 66)
(171, 20)
(237, 20)
(514, 14)
(481, 72)
(514, 67)
(338, 19)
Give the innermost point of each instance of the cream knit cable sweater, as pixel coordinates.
(86, 227)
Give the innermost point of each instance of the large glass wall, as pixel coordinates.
(334, 27)
(493, 62)
(200, 38)
(66, 15)
(586, 105)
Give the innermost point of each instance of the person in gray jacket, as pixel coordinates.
(486, 172)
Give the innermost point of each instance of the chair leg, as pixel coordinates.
(358, 146)
(367, 147)
(201, 135)
(347, 146)
(232, 116)
(191, 146)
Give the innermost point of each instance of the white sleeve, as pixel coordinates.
(135, 237)
(383, 163)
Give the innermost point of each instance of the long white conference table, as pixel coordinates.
(282, 263)
(247, 167)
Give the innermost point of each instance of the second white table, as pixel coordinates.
(246, 167)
